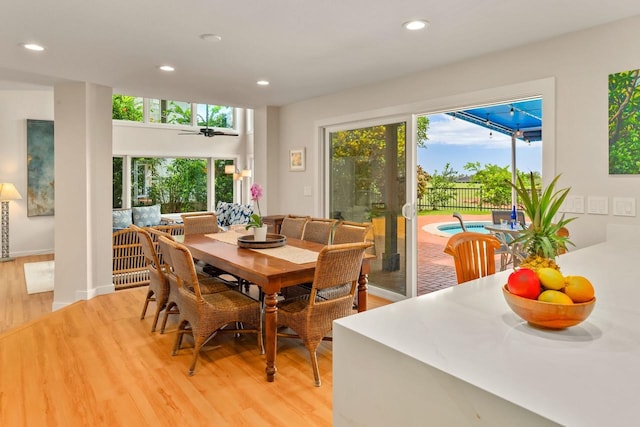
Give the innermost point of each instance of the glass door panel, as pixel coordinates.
(367, 170)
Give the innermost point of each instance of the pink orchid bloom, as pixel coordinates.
(256, 192)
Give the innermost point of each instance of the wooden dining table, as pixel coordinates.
(270, 272)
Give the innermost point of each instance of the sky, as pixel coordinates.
(458, 142)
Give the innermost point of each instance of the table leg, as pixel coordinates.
(362, 292)
(271, 336)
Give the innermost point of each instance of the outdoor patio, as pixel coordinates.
(435, 268)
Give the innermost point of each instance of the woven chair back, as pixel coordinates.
(350, 232)
(338, 265)
(319, 230)
(200, 223)
(473, 254)
(182, 264)
(293, 226)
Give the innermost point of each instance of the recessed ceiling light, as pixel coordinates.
(166, 68)
(33, 46)
(262, 83)
(415, 25)
(211, 37)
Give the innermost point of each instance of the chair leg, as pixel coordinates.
(155, 318)
(171, 308)
(146, 304)
(198, 341)
(182, 329)
(312, 347)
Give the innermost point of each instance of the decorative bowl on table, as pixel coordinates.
(272, 241)
(548, 315)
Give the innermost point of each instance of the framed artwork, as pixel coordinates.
(296, 159)
(624, 123)
(40, 170)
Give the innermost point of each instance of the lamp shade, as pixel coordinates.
(229, 169)
(8, 192)
(246, 173)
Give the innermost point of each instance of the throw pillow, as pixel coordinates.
(146, 216)
(121, 218)
(223, 209)
(240, 214)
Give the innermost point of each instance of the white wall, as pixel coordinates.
(578, 63)
(27, 235)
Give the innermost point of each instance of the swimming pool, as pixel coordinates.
(446, 229)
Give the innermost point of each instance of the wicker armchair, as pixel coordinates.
(129, 264)
(293, 226)
(208, 285)
(207, 314)
(310, 316)
(473, 254)
(319, 230)
(200, 223)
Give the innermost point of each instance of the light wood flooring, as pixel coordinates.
(95, 363)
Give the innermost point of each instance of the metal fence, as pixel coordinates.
(459, 198)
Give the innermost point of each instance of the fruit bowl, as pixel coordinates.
(548, 315)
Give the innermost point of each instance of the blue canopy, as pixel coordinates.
(522, 119)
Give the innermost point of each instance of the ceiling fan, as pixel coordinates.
(207, 131)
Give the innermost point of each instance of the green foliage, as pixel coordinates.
(423, 128)
(127, 108)
(492, 178)
(175, 113)
(423, 182)
(223, 182)
(117, 182)
(541, 238)
(217, 116)
(624, 123)
(439, 184)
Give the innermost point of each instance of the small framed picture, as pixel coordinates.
(296, 159)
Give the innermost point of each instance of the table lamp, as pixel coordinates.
(7, 192)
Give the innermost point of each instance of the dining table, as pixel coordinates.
(272, 269)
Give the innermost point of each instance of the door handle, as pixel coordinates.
(408, 207)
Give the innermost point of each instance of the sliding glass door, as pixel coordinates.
(367, 172)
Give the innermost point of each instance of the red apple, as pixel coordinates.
(524, 282)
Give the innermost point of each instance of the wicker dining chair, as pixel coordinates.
(208, 285)
(200, 223)
(311, 316)
(293, 226)
(473, 254)
(204, 315)
(319, 230)
(351, 232)
(158, 290)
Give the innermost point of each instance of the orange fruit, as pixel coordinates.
(555, 297)
(579, 288)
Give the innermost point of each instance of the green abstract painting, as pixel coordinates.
(624, 123)
(40, 168)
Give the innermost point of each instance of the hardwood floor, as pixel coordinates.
(96, 363)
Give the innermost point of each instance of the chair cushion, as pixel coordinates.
(146, 216)
(121, 218)
(240, 214)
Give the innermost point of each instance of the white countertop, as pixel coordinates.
(585, 375)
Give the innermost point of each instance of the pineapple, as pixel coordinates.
(541, 241)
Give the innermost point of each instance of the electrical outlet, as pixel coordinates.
(598, 205)
(624, 206)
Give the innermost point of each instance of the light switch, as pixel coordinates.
(307, 190)
(624, 206)
(573, 204)
(598, 205)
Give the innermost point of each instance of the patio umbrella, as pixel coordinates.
(520, 120)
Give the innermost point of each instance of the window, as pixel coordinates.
(118, 172)
(215, 116)
(127, 108)
(171, 112)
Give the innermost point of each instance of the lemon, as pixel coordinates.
(555, 297)
(551, 278)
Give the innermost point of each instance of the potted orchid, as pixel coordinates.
(255, 220)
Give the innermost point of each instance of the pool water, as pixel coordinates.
(476, 227)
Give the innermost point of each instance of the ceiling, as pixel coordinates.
(305, 49)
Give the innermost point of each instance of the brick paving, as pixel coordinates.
(435, 268)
